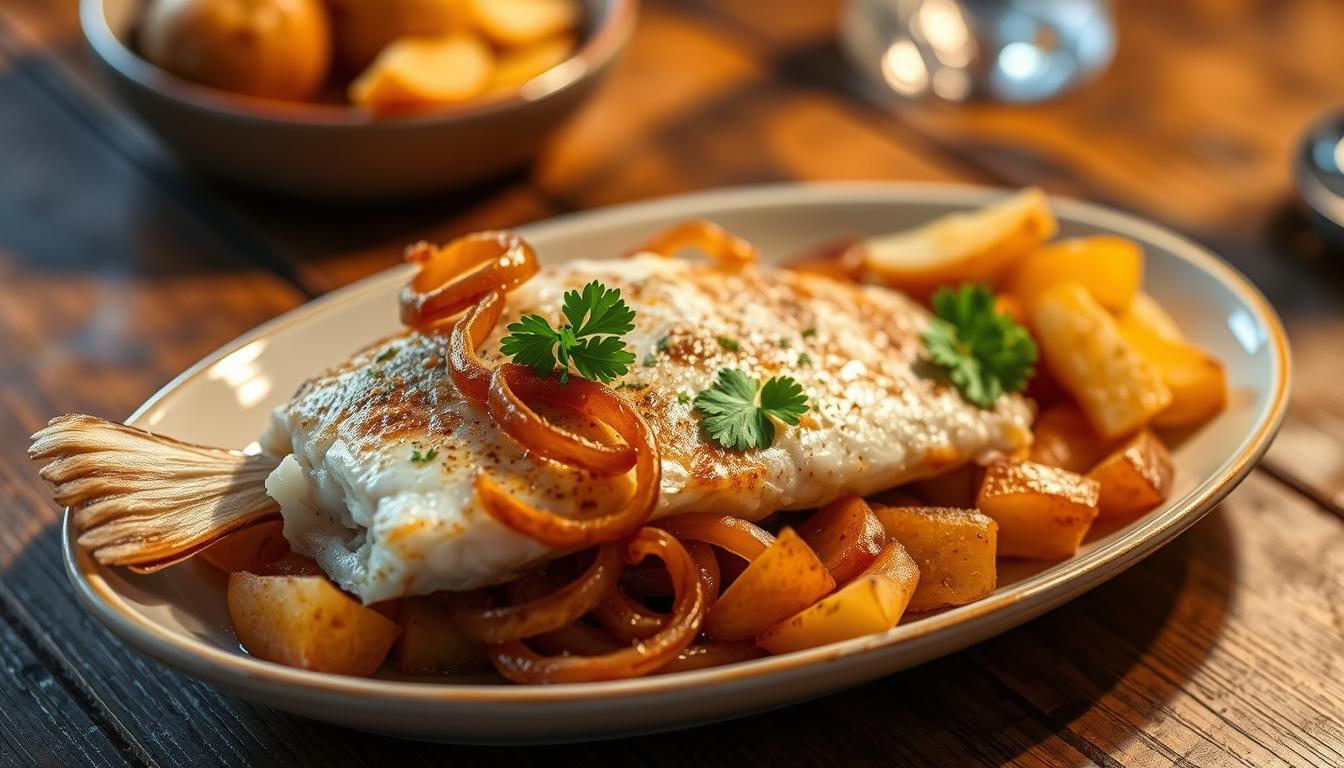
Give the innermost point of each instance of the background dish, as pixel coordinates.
(290, 147)
(177, 616)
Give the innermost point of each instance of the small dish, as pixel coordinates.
(178, 615)
(293, 147)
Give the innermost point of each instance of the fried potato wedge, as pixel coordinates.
(1118, 389)
(786, 578)
(1043, 512)
(953, 488)
(1197, 380)
(515, 67)
(846, 536)
(251, 548)
(418, 73)
(1144, 312)
(1135, 478)
(512, 23)
(429, 645)
(1109, 267)
(1062, 437)
(363, 28)
(955, 550)
(977, 246)
(873, 602)
(306, 622)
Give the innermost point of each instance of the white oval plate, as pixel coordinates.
(178, 616)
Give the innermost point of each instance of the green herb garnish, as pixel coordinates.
(727, 344)
(683, 397)
(809, 332)
(591, 340)
(632, 385)
(739, 412)
(386, 355)
(418, 457)
(804, 359)
(985, 352)
(784, 344)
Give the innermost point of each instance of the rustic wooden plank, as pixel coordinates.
(41, 722)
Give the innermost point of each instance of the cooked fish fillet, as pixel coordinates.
(383, 524)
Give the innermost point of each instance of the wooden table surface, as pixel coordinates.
(118, 269)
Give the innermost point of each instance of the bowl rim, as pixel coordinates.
(1053, 585)
(602, 45)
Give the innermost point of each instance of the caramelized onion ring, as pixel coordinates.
(702, 655)
(576, 639)
(511, 385)
(455, 276)
(519, 663)
(708, 564)
(744, 539)
(627, 619)
(464, 365)
(563, 533)
(718, 243)
(475, 618)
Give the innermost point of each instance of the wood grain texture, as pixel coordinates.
(117, 269)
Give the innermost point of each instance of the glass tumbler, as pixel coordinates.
(1000, 50)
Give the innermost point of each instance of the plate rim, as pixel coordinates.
(1061, 581)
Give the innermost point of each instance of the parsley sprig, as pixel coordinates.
(739, 412)
(985, 352)
(591, 341)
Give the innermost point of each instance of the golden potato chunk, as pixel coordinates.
(515, 67)
(1146, 313)
(419, 73)
(786, 578)
(955, 550)
(1062, 437)
(513, 23)
(275, 49)
(1197, 380)
(873, 602)
(249, 549)
(1043, 512)
(846, 536)
(953, 488)
(1109, 267)
(1116, 387)
(976, 246)
(429, 645)
(363, 28)
(1135, 478)
(306, 622)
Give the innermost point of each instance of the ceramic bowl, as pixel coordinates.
(339, 152)
(178, 615)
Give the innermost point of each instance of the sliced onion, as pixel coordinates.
(576, 639)
(708, 564)
(702, 655)
(561, 532)
(464, 365)
(474, 617)
(627, 619)
(511, 385)
(519, 663)
(715, 241)
(744, 539)
(455, 276)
